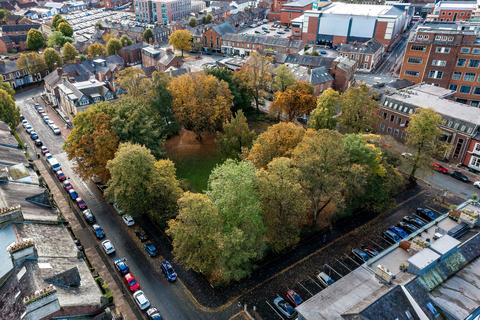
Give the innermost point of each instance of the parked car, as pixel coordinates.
(38, 143)
(46, 119)
(407, 155)
(33, 135)
(438, 167)
(142, 235)
(460, 176)
(56, 131)
(415, 221)
(40, 109)
(88, 216)
(293, 298)
(28, 128)
(60, 175)
(73, 194)
(426, 214)
(392, 236)
(108, 247)
(323, 52)
(128, 220)
(476, 184)
(284, 307)
(399, 231)
(82, 205)
(151, 249)
(153, 314)
(44, 150)
(360, 254)
(67, 185)
(50, 123)
(141, 300)
(48, 155)
(131, 282)
(99, 233)
(410, 228)
(325, 279)
(121, 266)
(24, 123)
(168, 271)
(370, 251)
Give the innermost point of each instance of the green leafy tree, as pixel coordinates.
(125, 40)
(31, 61)
(69, 52)
(148, 35)
(197, 233)
(52, 58)
(323, 116)
(278, 140)
(65, 28)
(56, 20)
(284, 203)
(4, 13)
(181, 40)
(8, 88)
(135, 82)
(232, 187)
(92, 141)
(96, 50)
(207, 19)
(242, 99)
(57, 39)
(161, 102)
(236, 136)
(423, 133)
(192, 22)
(9, 112)
(283, 78)
(113, 46)
(35, 40)
(358, 110)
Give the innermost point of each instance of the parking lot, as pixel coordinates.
(335, 259)
(268, 29)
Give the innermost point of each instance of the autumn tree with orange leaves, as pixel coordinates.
(295, 101)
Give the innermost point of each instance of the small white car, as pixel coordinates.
(407, 155)
(128, 220)
(141, 300)
(24, 123)
(477, 184)
(108, 246)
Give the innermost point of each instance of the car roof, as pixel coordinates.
(129, 276)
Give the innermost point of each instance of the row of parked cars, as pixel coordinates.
(454, 174)
(409, 224)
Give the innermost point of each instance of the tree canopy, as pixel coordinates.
(181, 40)
(242, 99)
(52, 58)
(148, 35)
(125, 40)
(113, 46)
(283, 78)
(96, 50)
(65, 28)
(35, 40)
(9, 112)
(296, 100)
(358, 110)
(57, 39)
(323, 116)
(31, 61)
(236, 136)
(69, 52)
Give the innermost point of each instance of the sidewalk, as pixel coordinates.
(123, 304)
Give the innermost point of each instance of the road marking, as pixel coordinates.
(274, 309)
(87, 187)
(321, 288)
(334, 270)
(311, 294)
(345, 266)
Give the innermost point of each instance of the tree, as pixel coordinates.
(256, 75)
(113, 46)
(69, 52)
(65, 28)
(96, 50)
(285, 205)
(4, 13)
(242, 98)
(323, 116)
(125, 40)
(236, 136)
(295, 101)
(181, 40)
(8, 88)
(232, 187)
(9, 112)
(277, 141)
(423, 134)
(283, 78)
(148, 35)
(207, 19)
(201, 102)
(359, 110)
(93, 142)
(322, 162)
(192, 22)
(197, 233)
(161, 102)
(57, 39)
(31, 61)
(52, 58)
(56, 20)
(35, 40)
(135, 82)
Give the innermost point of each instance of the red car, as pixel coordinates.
(60, 175)
(81, 204)
(438, 167)
(131, 282)
(67, 185)
(293, 298)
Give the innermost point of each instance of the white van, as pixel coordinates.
(54, 164)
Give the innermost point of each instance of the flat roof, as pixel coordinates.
(357, 9)
(444, 244)
(299, 3)
(423, 258)
(457, 5)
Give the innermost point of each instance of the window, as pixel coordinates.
(476, 90)
(444, 38)
(477, 147)
(453, 87)
(435, 74)
(461, 62)
(415, 60)
(456, 75)
(412, 73)
(439, 63)
(465, 50)
(418, 48)
(475, 162)
(392, 117)
(384, 115)
(465, 89)
(476, 51)
(473, 63)
(469, 76)
(442, 50)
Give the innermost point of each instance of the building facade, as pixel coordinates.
(76, 97)
(445, 55)
(16, 77)
(212, 37)
(243, 44)
(450, 11)
(162, 11)
(367, 55)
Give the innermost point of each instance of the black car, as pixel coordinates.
(89, 217)
(415, 221)
(360, 254)
(142, 235)
(38, 143)
(410, 228)
(426, 214)
(460, 176)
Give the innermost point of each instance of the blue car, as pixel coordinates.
(168, 271)
(399, 231)
(426, 214)
(392, 236)
(73, 194)
(99, 233)
(284, 307)
(33, 135)
(121, 266)
(360, 254)
(151, 249)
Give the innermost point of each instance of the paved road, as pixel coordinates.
(171, 299)
(449, 184)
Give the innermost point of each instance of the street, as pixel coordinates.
(172, 300)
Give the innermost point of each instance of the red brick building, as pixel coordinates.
(212, 37)
(450, 11)
(293, 10)
(14, 36)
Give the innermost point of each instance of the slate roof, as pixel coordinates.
(223, 28)
(17, 39)
(304, 60)
(7, 5)
(19, 27)
(53, 77)
(67, 279)
(263, 40)
(7, 66)
(369, 47)
(135, 46)
(320, 75)
(79, 72)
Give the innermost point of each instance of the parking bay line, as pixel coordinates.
(274, 309)
(311, 294)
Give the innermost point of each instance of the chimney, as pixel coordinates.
(11, 214)
(41, 304)
(21, 251)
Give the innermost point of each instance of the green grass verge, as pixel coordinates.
(195, 169)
